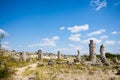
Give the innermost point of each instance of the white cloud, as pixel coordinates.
(62, 28)
(19, 46)
(119, 42)
(87, 41)
(46, 42)
(5, 45)
(97, 4)
(3, 32)
(74, 37)
(118, 49)
(70, 50)
(109, 42)
(104, 37)
(98, 32)
(55, 38)
(114, 32)
(76, 29)
(71, 45)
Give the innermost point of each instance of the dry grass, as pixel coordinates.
(71, 72)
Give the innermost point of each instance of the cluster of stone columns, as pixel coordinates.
(92, 52)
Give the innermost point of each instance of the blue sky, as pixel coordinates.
(64, 25)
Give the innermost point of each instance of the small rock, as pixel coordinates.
(3, 63)
(41, 64)
(51, 60)
(50, 63)
(76, 60)
(69, 62)
(118, 72)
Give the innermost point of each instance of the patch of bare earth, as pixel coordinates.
(20, 72)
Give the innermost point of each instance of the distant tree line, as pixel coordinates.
(110, 55)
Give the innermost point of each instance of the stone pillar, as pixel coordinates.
(30, 59)
(78, 55)
(40, 55)
(92, 51)
(59, 55)
(23, 56)
(115, 60)
(102, 54)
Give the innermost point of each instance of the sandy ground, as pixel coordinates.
(20, 71)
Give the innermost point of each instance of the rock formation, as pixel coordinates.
(40, 55)
(77, 57)
(23, 56)
(115, 60)
(59, 55)
(92, 51)
(102, 55)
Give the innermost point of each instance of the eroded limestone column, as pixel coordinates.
(102, 54)
(115, 60)
(23, 56)
(92, 51)
(59, 55)
(78, 55)
(40, 55)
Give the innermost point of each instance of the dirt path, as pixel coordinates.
(20, 71)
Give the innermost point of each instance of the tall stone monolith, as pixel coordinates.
(59, 55)
(23, 56)
(115, 60)
(78, 55)
(102, 54)
(40, 55)
(92, 51)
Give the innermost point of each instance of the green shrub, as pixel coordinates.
(6, 72)
(88, 58)
(111, 56)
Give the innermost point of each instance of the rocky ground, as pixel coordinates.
(65, 71)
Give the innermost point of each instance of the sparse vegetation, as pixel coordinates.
(62, 70)
(111, 56)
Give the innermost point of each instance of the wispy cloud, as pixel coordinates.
(71, 45)
(109, 42)
(97, 4)
(19, 46)
(76, 29)
(5, 45)
(55, 38)
(119, 42)
(46, 42)
(3, 32)
(70, 50)
(62, 28)
(74, 37)
(104, 37)
(94, 39)
(115, 32)
(98, 32)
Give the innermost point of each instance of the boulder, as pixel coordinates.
(40, 64)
